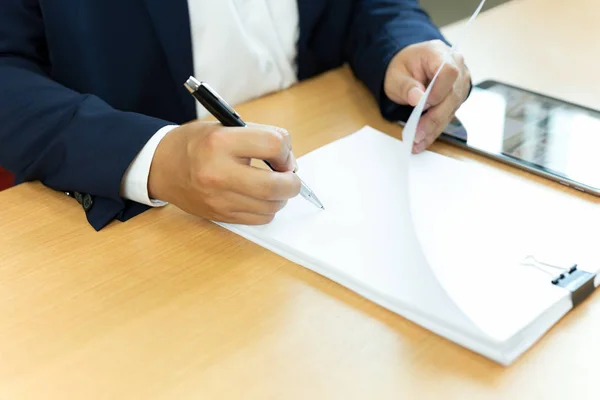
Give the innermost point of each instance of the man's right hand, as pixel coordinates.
(204, 169)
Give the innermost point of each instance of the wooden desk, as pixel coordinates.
(170, 306)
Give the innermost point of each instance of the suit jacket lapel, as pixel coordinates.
(172, 25)
(310, 11)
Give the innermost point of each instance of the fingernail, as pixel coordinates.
(419, 147)
(414, 96)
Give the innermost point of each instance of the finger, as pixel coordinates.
(444, 84)
(290, 164)
(263, 184)
(424, 144)
(239, 203)
(464, 81)
(269, 144)
(242, 218)
(414, 96)
(404, 89)
(436, 120)
(284, 132)
(459, 60)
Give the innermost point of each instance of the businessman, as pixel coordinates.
(92, 101)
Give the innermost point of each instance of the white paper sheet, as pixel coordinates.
(477, 227)
(364, 239)
(474, 244)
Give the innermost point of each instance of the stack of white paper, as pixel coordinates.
(435, 240)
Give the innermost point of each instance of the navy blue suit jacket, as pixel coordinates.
(84, 84)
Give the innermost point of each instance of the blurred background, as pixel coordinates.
(444, 12)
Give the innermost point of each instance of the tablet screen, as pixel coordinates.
(544, 133)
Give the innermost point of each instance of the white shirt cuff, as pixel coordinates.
(134, 185)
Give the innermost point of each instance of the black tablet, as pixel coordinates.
(531, 131)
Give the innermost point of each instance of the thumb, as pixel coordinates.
(404, 89)
(288, 161)
(414, 96)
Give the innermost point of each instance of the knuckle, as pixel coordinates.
(217, 209)
(452, 71)
(275, 142)
(272, 207)
(435, 98)
(276, 206)
(209, 177)
(283, 132)
(438, 95)
(216, 139)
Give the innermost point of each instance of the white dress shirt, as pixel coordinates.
(244, 49)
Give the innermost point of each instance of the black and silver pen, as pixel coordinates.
(227, 116)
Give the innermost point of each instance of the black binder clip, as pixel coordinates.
(580, 283)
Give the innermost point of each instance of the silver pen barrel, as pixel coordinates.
(310, 195)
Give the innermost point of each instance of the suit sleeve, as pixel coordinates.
(70, 141)
(378, 31)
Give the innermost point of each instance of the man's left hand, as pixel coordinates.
(412, 69)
